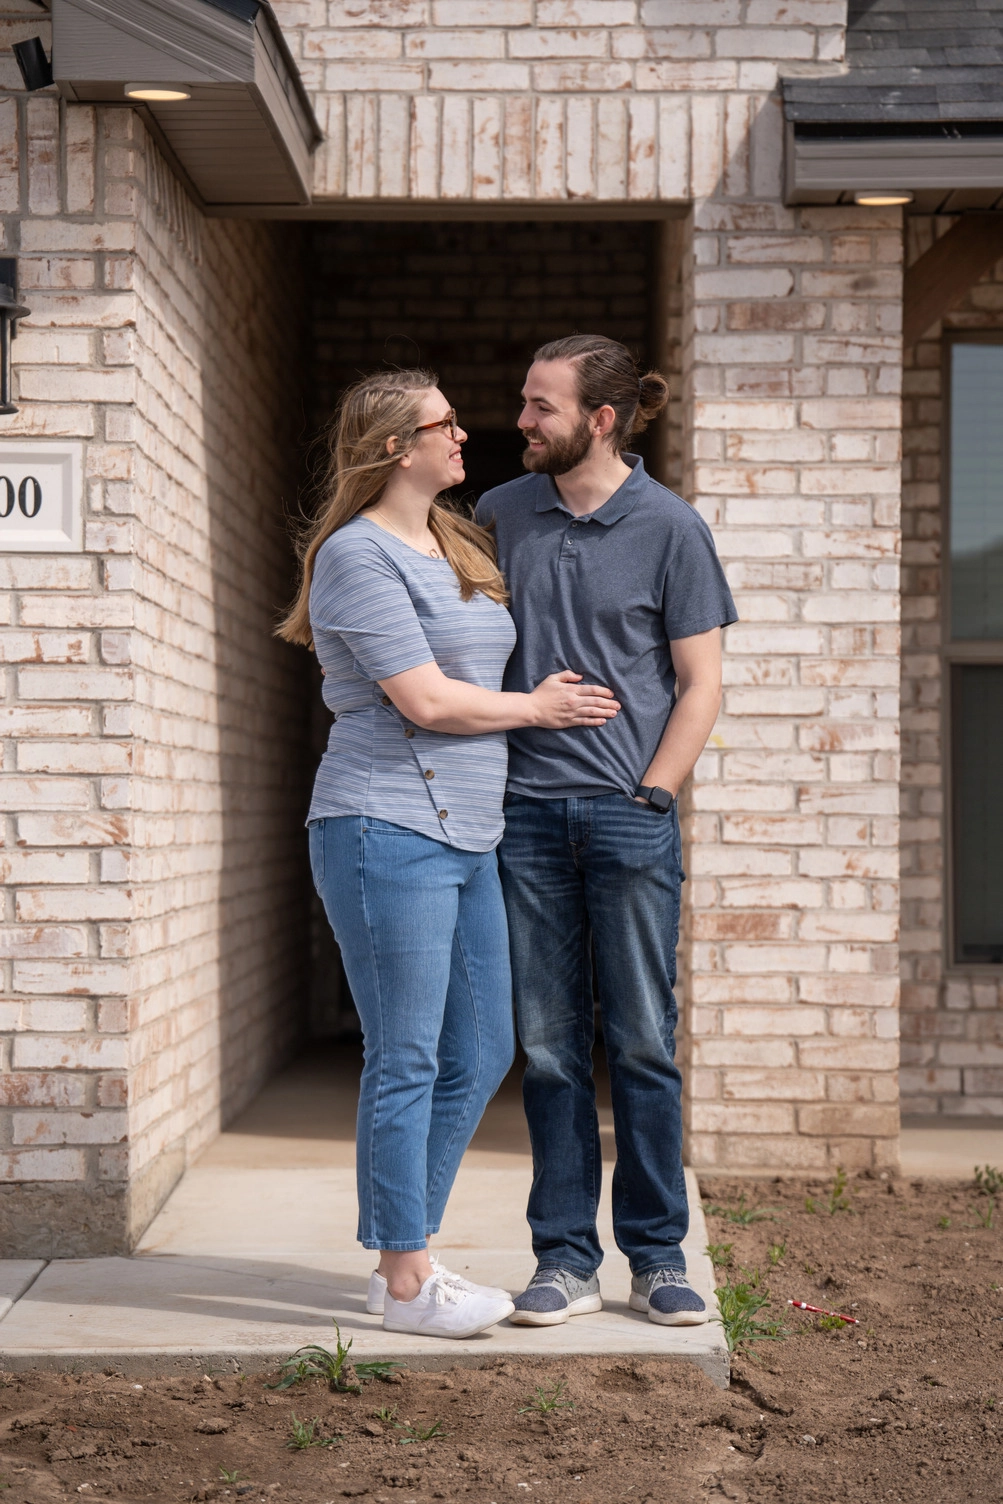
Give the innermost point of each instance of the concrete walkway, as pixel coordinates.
(255, 1252)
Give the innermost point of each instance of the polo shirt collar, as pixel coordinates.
(623, 500)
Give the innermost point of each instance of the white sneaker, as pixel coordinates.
(377, 1292)
(441, 1310)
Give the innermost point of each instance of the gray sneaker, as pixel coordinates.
(668, 1297)
(553, 1295)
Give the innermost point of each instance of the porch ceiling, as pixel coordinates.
(245, 135)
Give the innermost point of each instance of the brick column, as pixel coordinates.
(791, 405)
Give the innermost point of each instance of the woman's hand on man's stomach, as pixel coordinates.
(561, 700)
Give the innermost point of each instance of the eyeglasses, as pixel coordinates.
(448, 423)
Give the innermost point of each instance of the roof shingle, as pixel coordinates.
(910, 61)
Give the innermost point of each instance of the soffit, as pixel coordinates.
(245, 136)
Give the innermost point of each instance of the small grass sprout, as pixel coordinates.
(984, 1213)
(386, 1413)
(340, 1375)
(776, 1253)
(739, 1306)
(545, 1401)
(989, 1403)
(989, 1180)
(315, 1362)
(743, 1215)
(832, 1323)
(720, 1254)
(434, 1432)
(751, 1277)
(228, 1475)
(809, 1206)
(303, 1434)
(808, 1268)
(943, 1223)
(838, 1199)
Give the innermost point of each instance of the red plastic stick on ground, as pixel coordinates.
(802, 1305)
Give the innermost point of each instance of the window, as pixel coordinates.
(974, 646)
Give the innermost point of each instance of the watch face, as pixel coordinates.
(661, 799)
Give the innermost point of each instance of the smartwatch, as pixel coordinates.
(659, 799)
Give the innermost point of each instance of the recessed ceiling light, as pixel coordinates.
(883, 198)
(159, 93)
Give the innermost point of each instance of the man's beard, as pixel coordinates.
(560, 454)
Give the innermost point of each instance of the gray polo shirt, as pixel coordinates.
(603, 595)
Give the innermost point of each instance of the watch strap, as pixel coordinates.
(647, 791)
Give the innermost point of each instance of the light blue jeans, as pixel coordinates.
(422, 932)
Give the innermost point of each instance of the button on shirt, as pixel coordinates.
(377, 608)
(603, 595)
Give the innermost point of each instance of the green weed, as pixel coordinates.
(838, 1200)
(809, 1206)
(739, 1306)
(943, 1223)
(751, 1277)
(808, 1268)
(984, 1215)
(315, 1362)
(832, 1323)
(720, 1254)
(415, 1433)
(776, 1253)
(226, 1476)
(386, 1413)
(989, 1403)
(546, 1401)
(989, 1180)
(304, 1434)
(743, 1215)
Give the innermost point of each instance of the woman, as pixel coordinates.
(404, 604)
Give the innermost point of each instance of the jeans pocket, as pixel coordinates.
(315, 833)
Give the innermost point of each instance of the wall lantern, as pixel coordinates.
(887, 198)
(157, 93)
(35, 68)
(10, 309)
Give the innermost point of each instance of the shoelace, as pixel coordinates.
(449, 1278)
(446, 1293)
(668, 1277)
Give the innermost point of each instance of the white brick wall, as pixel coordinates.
(153, 939)
(152, 851)
(952, 1017)
(488, 100)
(792, 358)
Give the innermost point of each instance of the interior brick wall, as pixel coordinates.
(952, 1017)
(153, 941)
(473, 300)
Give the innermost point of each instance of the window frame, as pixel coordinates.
(988, 651)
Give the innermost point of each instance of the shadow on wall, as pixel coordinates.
(254, 378)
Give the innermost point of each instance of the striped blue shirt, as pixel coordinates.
(377, 608)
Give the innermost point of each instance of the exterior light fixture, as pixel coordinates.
(883, 198)
(34, 66)
(10, 309)
(157, 93)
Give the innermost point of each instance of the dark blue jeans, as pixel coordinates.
(605, 870)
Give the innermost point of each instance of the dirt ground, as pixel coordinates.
(907, 1406)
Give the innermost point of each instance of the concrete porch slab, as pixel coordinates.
(16, 1275)
(950, 1148)
(243, 1266)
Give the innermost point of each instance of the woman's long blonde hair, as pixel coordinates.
(377, 408)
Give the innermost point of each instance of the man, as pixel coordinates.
(616, 578)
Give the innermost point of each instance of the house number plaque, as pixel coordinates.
(40, 496)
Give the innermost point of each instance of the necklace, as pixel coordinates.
(431, 553)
